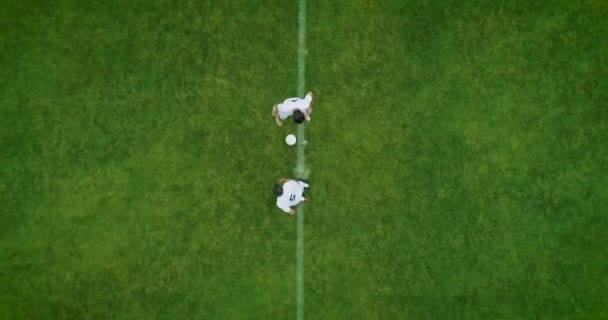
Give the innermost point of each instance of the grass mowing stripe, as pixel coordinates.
(300, 164)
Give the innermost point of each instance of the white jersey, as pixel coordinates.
(292, 194)
(290, 105)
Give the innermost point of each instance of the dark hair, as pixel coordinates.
(298, 116)
(278, 190)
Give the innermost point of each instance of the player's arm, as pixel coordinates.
(283, 180)
(287, 209)
(309, 111)
(275, 114)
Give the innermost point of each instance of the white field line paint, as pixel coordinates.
(300, 167)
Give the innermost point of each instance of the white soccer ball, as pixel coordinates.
(290, 139)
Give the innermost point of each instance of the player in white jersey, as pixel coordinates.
(289, 193)
(299, 108)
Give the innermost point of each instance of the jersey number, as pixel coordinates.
(292, 197)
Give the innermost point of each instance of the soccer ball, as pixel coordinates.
(290, 139)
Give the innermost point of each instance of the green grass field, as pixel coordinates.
(457, 151)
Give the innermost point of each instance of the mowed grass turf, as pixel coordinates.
(457, 154)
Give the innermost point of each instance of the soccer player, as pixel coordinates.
(300, 109)
(289, 193)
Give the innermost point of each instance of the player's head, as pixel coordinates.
(298, 116)
(278, 190)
